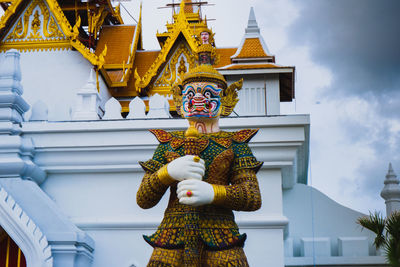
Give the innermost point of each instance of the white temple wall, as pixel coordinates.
(93, 176)
(259, 94)
(315, 217)
(267, 223)
(259, 243)
(109, 213)
(62, 73)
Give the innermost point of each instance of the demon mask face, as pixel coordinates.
(201, 100)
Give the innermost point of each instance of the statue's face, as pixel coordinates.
(205, 36)
(201, 100)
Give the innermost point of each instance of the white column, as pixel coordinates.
(16, 153)
(272, 94)
(269, 223)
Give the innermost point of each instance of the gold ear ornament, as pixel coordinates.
(230, 98)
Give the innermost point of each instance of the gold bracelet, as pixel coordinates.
(164, 176)
(219, 194)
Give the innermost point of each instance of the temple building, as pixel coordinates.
(78, 93)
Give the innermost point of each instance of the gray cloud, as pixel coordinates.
(371, 174)
(359, 40)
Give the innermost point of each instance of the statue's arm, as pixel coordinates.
(151, 190)
(154, 183)
(241, 191)
(160, 175)
(242, 194)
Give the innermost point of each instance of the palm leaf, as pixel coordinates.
(393, 252)
(375, 223)
(393, 226)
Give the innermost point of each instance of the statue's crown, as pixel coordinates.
(205, 72)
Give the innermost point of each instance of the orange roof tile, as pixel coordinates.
(225, 56)
(252, 48)
(143, 61)
(118, 40)
(115, 75)
(254, 66)
(188, 8)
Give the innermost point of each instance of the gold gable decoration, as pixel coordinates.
(36, 27)
(174, 69)
(42, 26)
(181, 26)
(39, 28)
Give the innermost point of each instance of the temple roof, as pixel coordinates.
(122, 43)
(118, 40)
(224, 56)
(252, 66)
(117, 51)
(149, 67)
(66, 24)
(252, 48)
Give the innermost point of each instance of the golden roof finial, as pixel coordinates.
(188, 6)
(182, 6)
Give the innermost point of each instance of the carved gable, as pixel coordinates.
(180, 61)
(35, 26)
(36, 23)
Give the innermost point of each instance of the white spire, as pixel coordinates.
(88, 100)
(92, 79)
(252, 26)
(391, 191)
(252, 31)
(391, 174)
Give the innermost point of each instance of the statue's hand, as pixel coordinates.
(185, 168)
(200, 192)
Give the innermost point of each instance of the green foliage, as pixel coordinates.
(375, 223)
(393, 239)
(387, 234)
(393, 252)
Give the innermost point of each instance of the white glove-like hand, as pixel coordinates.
(200, 192)
(185, 167)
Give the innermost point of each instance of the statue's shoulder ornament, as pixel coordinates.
(175, 139)
(244, 136)
(161, 135)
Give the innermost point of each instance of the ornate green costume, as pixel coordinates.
(229, 162)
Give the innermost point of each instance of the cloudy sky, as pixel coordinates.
(347, 58)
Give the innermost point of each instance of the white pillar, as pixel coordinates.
(12, 105)
(272, 94)
(16, 152)
(391, 192)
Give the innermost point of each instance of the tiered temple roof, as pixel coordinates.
(95, 29)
